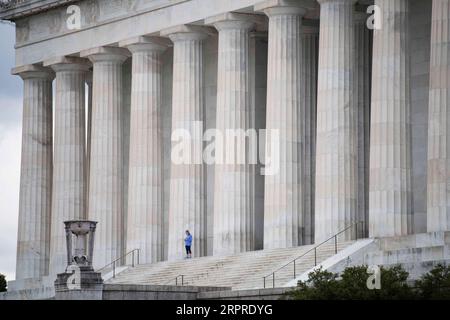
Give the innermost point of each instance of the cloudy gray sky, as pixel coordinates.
(10, 142)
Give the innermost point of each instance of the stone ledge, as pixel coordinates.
(161, 288)
(256, 294)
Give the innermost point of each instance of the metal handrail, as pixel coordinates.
(113, 263)
(335, 237)
(176, 280)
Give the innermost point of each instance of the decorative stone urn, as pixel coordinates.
(80, 281)
(80, 243)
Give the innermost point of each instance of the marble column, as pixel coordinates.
(363, 82)
(390, 201)
(187, 203)
(337, 123)
(88, 133)
(33, 240)
(106, 174)
(308, 96)
(234, 175)
(438, 211)
(69, 159)
(284, 197)
(145, 185)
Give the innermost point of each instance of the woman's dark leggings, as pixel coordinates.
(188, 250)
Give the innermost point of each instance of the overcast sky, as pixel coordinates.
(10, 142)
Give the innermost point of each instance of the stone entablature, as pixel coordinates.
(16, 9)
(106, 22)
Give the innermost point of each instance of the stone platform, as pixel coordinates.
(240, 276)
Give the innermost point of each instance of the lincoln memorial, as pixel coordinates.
(353, 98)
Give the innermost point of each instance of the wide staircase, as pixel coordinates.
(250, 270)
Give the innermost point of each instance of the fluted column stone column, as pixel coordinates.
(438, 212)
(390, 201)
(89, 78)
(106, 180)
(284, 209)
(187, 182)
(233, 186)
(337, 122)
(308, 98)
(145, 186)
(33, 240)
(69, 160)
(363, 82)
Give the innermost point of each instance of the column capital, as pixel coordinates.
(187, 32)
(286, 7)
(65, 63)
(30, 71)
(231, 20)
(106, 54)
(144, 43)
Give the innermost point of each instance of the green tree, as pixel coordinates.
(321, 285)
(435, 285)
(352, 285)
(2, 283)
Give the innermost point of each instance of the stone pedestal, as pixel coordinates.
(79, 281)
(83, 285)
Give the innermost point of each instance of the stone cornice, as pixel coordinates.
(21, 8)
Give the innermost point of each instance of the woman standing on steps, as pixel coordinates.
(187, 244)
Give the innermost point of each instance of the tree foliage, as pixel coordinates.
(352, 285)
(435, 285)
(2, 283)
